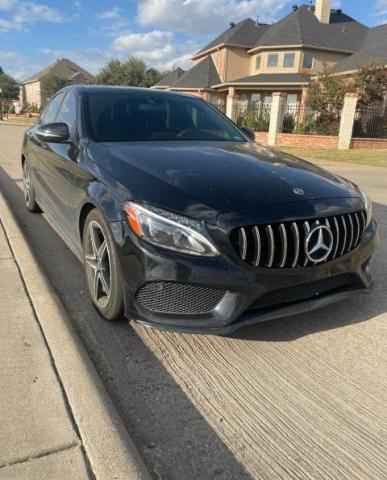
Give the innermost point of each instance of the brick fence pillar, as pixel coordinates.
(347, 120)
(276, 116)
(231, 104)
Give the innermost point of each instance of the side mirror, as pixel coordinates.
(53, 132)
(249, 132)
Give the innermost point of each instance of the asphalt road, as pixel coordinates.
(300, 398)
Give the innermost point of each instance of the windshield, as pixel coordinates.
(134, 116)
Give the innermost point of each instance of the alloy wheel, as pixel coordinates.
(97, 262)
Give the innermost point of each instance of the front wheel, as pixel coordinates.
(28, 189)
(102, 269)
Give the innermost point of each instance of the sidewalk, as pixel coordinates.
(57, 420)
(37, 435)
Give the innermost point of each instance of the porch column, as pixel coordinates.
(303, 102)
(347, 120)
(276, 116)
(231, 104)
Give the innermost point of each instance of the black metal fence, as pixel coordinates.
(254, 116)
(370, 122)
(306, 121)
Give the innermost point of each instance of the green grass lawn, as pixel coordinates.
(377, 158)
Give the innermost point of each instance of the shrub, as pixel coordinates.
(289, 123)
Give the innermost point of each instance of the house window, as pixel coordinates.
(258, 62)
(289, 60)
(308, 60)
(272, 60)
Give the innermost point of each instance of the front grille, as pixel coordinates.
(297, 293)
(283, 245)
(178, 298)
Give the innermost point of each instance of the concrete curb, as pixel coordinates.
(108, 446)
(17, 124)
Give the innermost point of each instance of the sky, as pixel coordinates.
(164, 33)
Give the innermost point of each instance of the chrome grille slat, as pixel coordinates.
(306, 231)
(350, 233)
(344, 223)
(296, 240)
(357, 230)
(283, 244)
(243, 243)
(271, 245)
(336, 223)
(258, 246)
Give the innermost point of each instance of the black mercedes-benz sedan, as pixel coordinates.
(182, 221)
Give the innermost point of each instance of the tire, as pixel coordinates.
(28, 189)
(102, 267)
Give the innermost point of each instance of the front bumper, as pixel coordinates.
(243, 285)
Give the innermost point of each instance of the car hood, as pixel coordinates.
(205, 179)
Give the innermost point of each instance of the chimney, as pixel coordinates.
(323, 10)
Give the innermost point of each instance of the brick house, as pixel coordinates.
(30, 89)
(249, 61)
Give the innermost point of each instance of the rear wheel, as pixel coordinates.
(102, 269)
(28, 189)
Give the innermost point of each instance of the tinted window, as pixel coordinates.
(308, 60)
(67, 111)
(289, 60)
(49, 115)
(134, 116)
(272, 60)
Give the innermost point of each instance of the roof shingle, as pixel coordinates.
(246, 33)
(273, 78)
(170, 79)
(63, 68)
(374, 49)
(301, 27)
(202, 75)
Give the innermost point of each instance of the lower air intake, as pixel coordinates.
(178, 298)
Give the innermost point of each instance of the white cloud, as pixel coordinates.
(381, 7)
(111, 14)
(157, 48)
(24, 13)
(198, 16)
(8, 4)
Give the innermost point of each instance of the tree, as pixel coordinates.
(133, 72)
(371, 83)
(326, 94)
(50, 85)
(9, 86)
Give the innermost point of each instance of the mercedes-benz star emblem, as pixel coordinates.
(319, 244)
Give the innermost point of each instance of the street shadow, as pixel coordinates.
(173, 437)
(357, 309)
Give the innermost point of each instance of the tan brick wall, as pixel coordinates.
(32, 94)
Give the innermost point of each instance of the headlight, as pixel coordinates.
(169, 230)
(368, 206)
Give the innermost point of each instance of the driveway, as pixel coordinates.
(302, 398)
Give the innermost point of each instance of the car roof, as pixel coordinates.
(122, 89)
